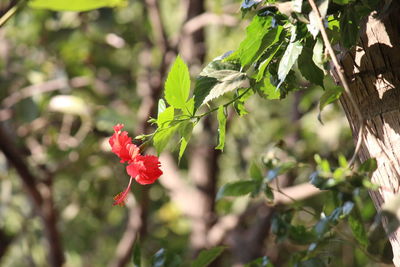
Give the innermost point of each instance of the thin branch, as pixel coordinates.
(292, 194)
(343, 80)
(10, 11)
(32, 90)
(160, 33)
(41, 195)
(206, 19)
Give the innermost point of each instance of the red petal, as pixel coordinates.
(119, 142)
(145, 169)
(121, 197)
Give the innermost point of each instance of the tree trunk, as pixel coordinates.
(372, 69)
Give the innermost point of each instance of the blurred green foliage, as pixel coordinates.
(97, 60)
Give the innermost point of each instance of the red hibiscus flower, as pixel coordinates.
(144, 169)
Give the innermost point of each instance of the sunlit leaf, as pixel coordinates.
(313, 27)
(203, 86)
(228, 81)
(74, 5)
(290, 56)
(177, 85)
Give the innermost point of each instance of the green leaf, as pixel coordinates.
(349, 26)
(269, 193)
(281, 169)
(221, 116)
(165, 117)
(161, 107)
(357, 227)
(255, 172)
(308, 69)
(300, 235)
(331, 95)
(162, 137)
(266, 62)
(290, 56)
(207, 256)
(228, 80)
(313, 26)
(203, 86)
(239, 104)
(236, 189)
(163, 258)
(267, 89)
(136, 255)
(318, 54)
(74, 5)
(189, 108)
(259, 36)
(177, 85)
(260, 262)
(369, 165)
(165, 129)
(185, 130)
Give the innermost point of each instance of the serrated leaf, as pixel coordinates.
(74, 5)
(331, 95)
(266, 62)
(177, 85)
(233, 80)
(221, 116)
(308, 69)
(207, 256)
(236, 189)
(290, 56)
(259, 36)
(202, 88)
(165, 117)
(162, 137)
(267, 89)
(313, 26)
(349, 27)
(239, 104)
(185, 130)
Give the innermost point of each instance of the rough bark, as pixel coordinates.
(372, 68)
